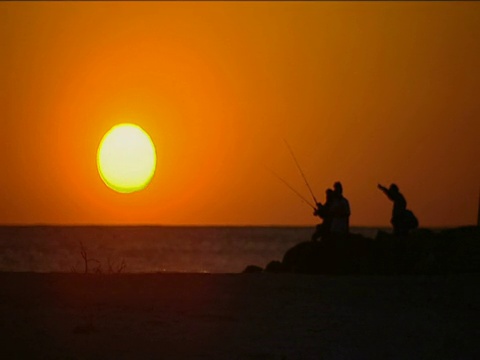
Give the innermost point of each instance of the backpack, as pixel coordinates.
(410, 220)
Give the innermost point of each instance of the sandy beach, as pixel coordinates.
(238, 316)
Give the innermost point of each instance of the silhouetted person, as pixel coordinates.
(403, 220)
(323, 211)
(340, 211)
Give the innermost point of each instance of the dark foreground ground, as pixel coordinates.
(238, 316)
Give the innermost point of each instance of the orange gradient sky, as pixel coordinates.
(364, 93)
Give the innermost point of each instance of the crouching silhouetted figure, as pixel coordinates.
(403, 220)
(323, 211)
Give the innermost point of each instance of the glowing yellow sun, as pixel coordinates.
(126, 158)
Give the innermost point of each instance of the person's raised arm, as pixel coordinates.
(383, 188)
(386, 191)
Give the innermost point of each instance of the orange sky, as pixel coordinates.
(364, 93)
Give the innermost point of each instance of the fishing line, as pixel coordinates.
(291, 188)
(301, 172)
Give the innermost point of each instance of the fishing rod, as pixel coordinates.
(291, 188)
(301, 171)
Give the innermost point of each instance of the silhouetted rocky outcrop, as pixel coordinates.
(334, 255)
(423, 252)
(276, 267)
(252, 269)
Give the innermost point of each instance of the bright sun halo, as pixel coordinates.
(126, 158)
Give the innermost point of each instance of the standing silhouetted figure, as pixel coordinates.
(340, 211)
(323, 211)
(403, 220)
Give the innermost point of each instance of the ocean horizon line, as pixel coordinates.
(46, 225)
(148, 225)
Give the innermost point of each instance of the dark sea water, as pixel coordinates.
(213, 249)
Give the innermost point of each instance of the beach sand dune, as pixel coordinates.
(238, 316)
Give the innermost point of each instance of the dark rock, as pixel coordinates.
(454, 250)
(252, 269)
(463, 247)
(334, 255)
(306, 257)
(275, 267)
(421, 252)
(427, 265)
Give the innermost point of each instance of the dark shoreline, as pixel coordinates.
(239, 316)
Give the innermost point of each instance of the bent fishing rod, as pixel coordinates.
(301, 171)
